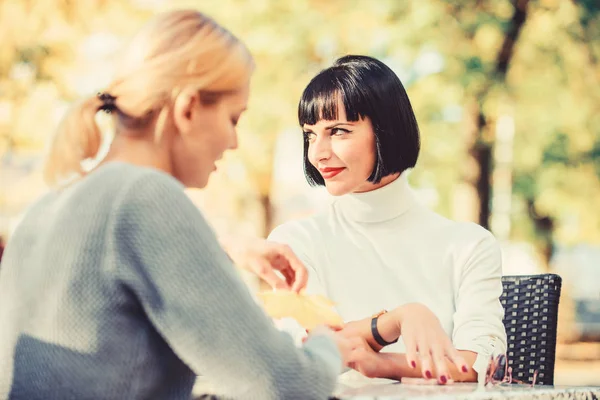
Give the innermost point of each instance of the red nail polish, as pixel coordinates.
(413, 364)
(428, 374)
(465, 368)
(443, 379)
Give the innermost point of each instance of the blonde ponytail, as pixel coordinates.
(176, 50)
(76, 139)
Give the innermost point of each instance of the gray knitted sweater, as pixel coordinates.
(116, 288)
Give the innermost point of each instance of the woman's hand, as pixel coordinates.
(347, 345)
(429, 351)
(388, 326)
(368, 362)
(264, 258)
(427, 343)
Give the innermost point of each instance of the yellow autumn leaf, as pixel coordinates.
(308, 310)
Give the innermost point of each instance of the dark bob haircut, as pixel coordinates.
(368, 88)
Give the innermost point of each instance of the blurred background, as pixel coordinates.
(507, 95)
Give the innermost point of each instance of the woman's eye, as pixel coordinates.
(339, 131)
(309, 135)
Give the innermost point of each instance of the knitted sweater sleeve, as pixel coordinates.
(169, 257)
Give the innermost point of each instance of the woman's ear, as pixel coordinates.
(185, 109)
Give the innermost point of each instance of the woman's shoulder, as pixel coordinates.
(131, 192)
(469, 231)
(104, 186)
(126, 174)
(298, 230)
(458, 233)
(128, 183)
(472, 242)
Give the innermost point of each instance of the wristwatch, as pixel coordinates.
(381, 341)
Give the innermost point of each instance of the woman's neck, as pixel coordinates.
(138, 151)
(383, 204)
(368, 186)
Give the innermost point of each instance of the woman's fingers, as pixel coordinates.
(427, 342)
(264, 258)
(263, 269)
(365, 361)
(426, 365)
(410, 344)
(425, 356)
(438, 356)
(287, 273)
(431, 352)
(296, 268)
(456, 358)
(350, 348)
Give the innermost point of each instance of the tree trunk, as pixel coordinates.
(477, 172)
(483, 155)
(267, 206)
(544, 226)
(473, 203)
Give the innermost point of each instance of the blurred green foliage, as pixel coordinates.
(449, 54)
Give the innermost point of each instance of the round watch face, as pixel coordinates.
(379, 314)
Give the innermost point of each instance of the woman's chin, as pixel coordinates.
(196, 182)
(336, 188)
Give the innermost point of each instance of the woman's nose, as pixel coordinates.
(321, 149)
(233, 143)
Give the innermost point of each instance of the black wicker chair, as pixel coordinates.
(531, 314)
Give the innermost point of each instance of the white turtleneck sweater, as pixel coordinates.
(381, 249)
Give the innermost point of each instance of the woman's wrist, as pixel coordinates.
(388, 325)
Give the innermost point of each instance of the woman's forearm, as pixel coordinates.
(395, 366)
(387, 325)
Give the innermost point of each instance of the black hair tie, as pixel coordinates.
(108, 102)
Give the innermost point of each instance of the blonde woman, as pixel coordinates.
(114, 286)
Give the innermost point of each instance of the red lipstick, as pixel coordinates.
(329, 173)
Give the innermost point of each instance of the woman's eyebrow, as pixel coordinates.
(329, 127)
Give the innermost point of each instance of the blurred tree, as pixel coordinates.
(45, 51)
(487, 33)
(555, 170)
(537, 59)
(463, 63)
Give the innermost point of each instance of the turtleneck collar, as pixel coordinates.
(382, 204)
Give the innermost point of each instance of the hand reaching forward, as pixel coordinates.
(264, 258)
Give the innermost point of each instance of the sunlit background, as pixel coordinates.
(507, 95)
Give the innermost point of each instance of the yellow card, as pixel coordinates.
(308, 310)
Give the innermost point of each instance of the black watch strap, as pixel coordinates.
(381, 341)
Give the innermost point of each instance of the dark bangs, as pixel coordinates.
(320, 98)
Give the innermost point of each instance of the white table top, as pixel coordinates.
(466, 391)
(384, 389)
